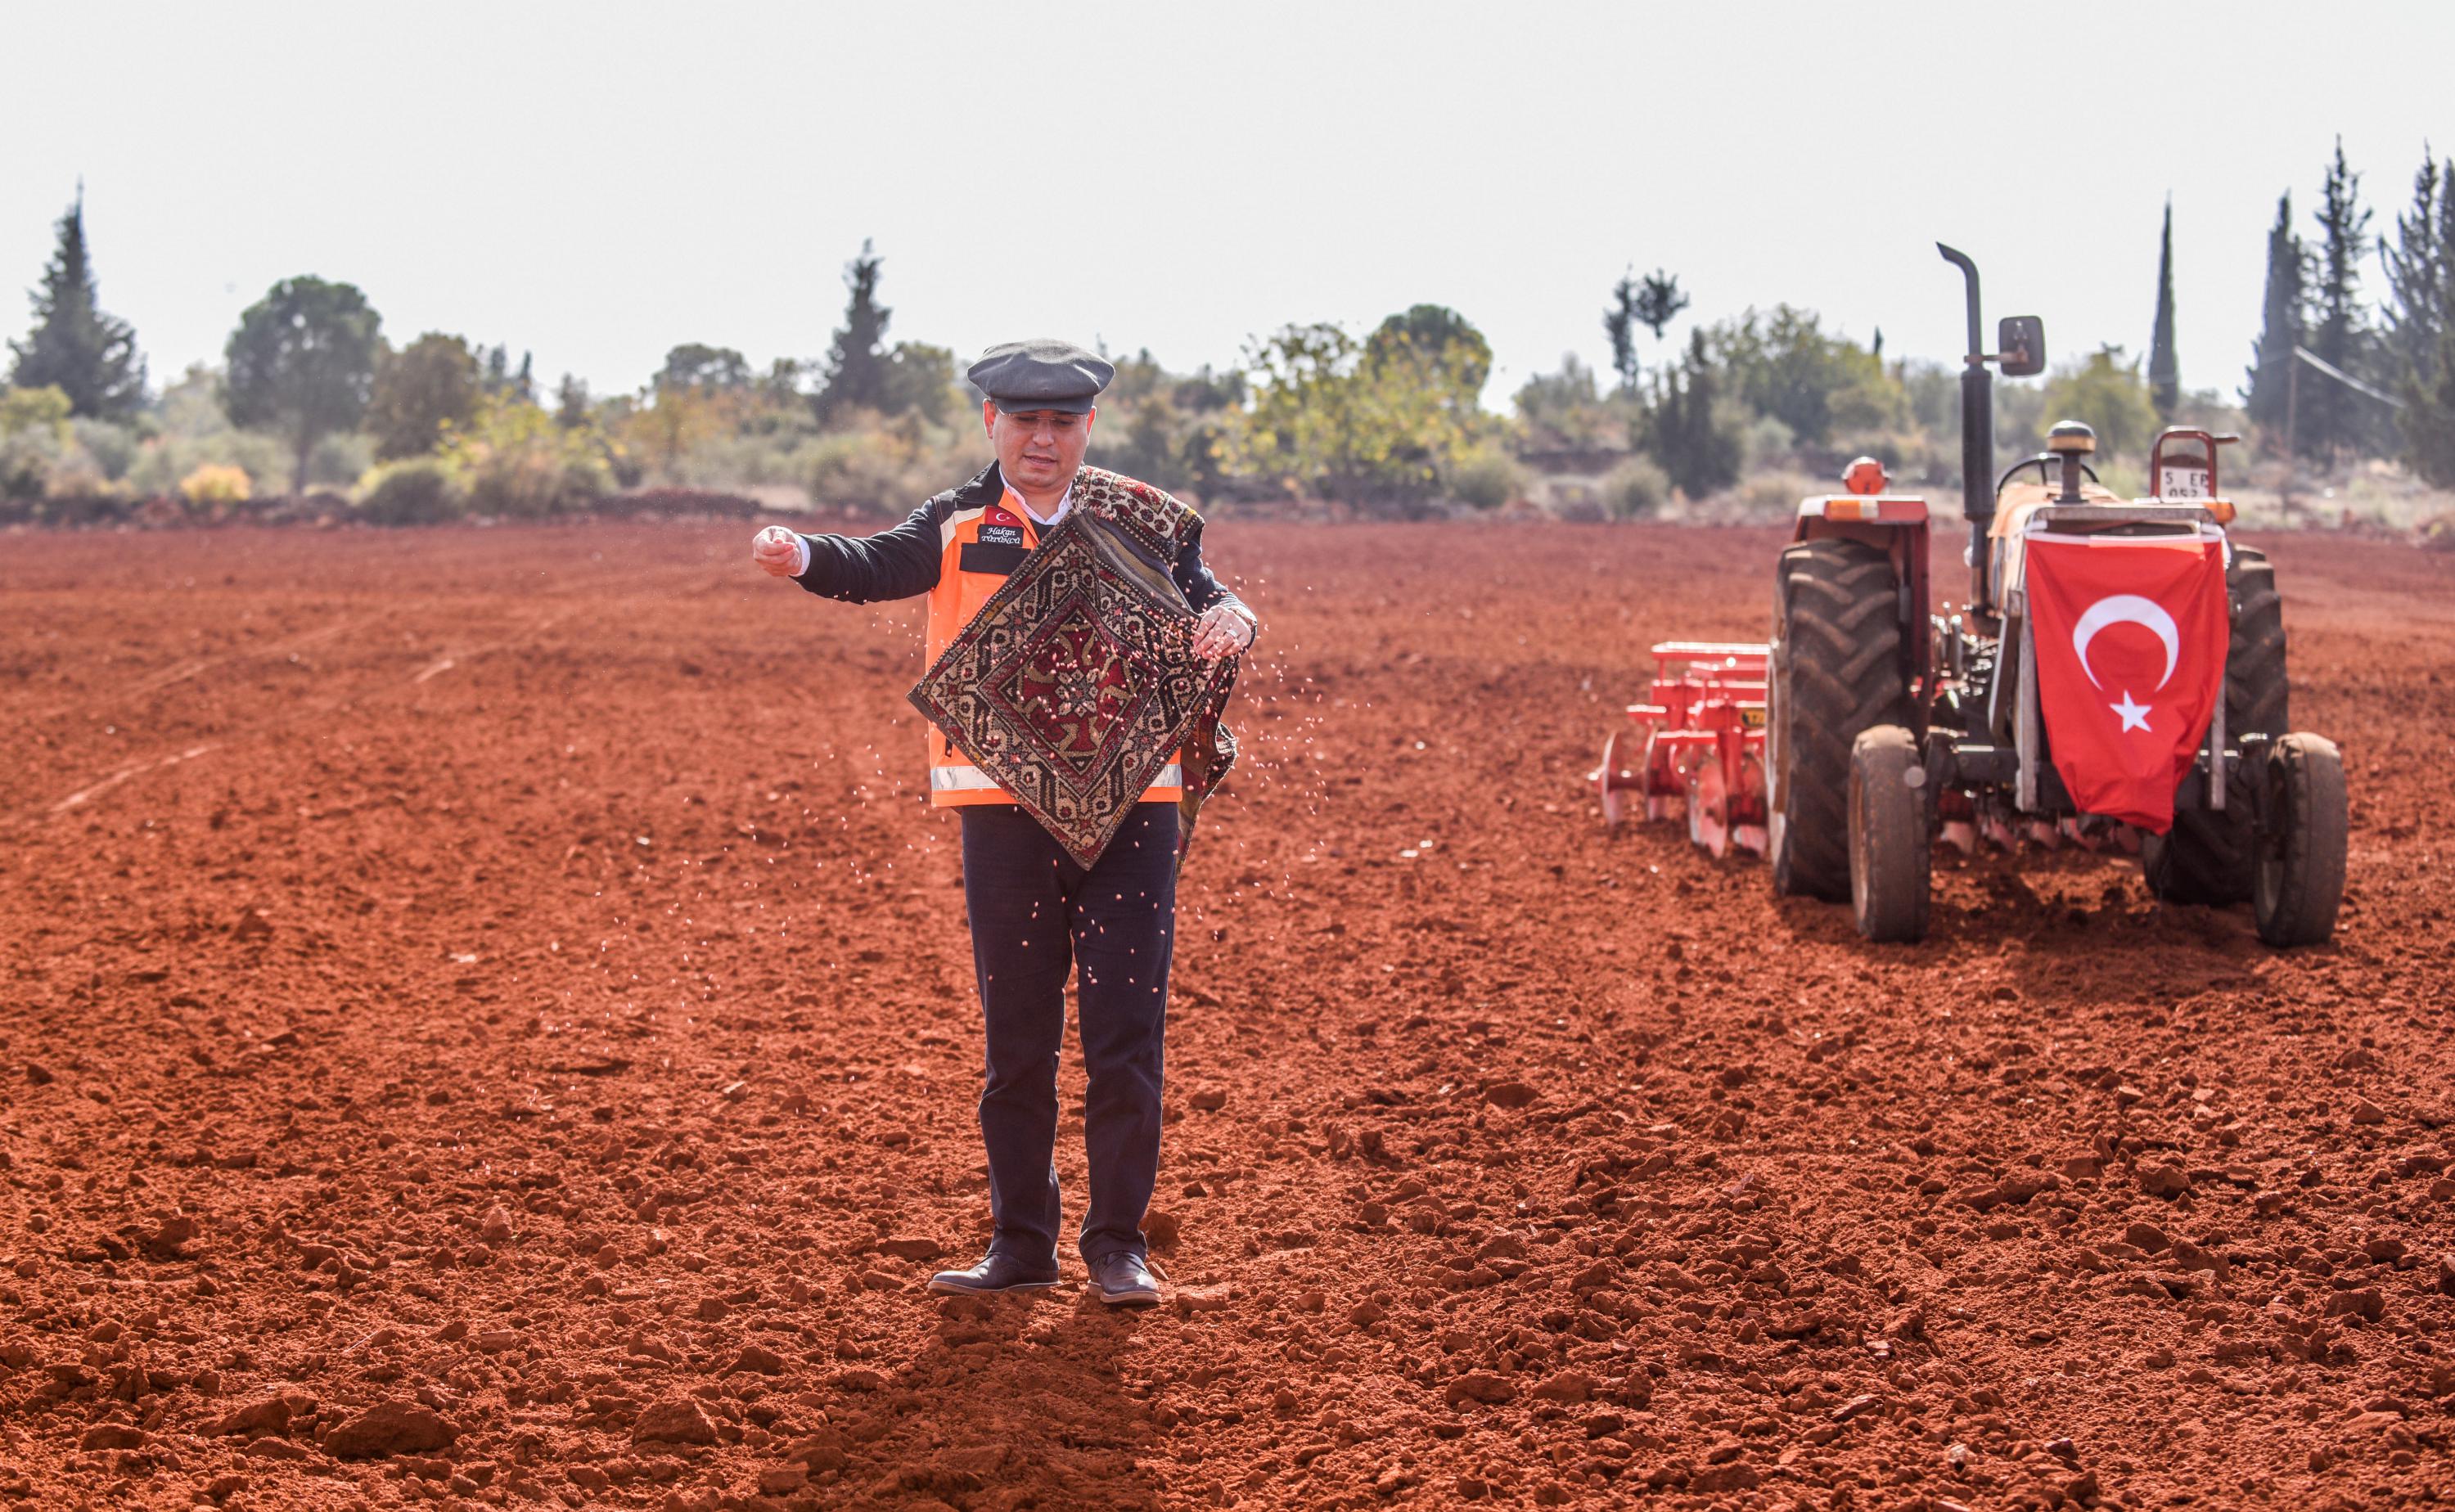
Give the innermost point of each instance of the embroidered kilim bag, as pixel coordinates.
(1076, 682)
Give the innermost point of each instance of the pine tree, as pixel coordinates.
(74, 347)
(1659, 301)
(2415, 265)
(2271, 360)
(2335, 418)
(1619, 323)
(856, 373)
(2164, 370)
(2429, 416)
(2421, 321)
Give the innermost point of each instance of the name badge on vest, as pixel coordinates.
(999, 527)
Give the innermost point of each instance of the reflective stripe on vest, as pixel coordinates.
(972, 779)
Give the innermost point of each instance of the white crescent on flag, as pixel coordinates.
(2127, 609)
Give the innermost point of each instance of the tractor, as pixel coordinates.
(1889, 727)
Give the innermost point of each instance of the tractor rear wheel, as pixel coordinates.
(1890, 852)
(1838, 668)
(2300, 847)
(2207, 857)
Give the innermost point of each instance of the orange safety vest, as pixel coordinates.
(979, 548)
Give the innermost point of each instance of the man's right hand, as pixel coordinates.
(777, 552)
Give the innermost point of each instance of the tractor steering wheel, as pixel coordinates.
(2045, 462)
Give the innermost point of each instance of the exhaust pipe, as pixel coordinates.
(1977, 441)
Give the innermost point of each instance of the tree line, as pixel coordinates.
(312, 396)
(2332, 375)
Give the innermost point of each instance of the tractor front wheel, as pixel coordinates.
(1891, 850)
(2208, 857)
(2301, 842)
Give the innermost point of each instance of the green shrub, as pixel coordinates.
(27, 458)
(1766, 443)
(112, 448)
(1775, 496)
(418, 491)
(889, 467)
(863, 470)
(338, 460)
(216, 483)
(2107, 394)
(1637, 489)
(1485, 477)
(517, 464)
(530, 483)
(164, 461)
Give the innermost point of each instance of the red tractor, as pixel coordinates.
(1890, 727)
(2115, 679)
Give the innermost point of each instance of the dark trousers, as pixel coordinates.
(1035, 916)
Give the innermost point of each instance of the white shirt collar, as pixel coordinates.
(1064, 502)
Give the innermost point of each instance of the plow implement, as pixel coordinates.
(1699, 739)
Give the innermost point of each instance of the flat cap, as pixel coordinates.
(1043, 375)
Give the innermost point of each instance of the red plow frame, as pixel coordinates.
(1704, 728)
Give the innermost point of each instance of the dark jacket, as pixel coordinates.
(904, 563)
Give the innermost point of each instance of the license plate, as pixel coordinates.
(2182, 483)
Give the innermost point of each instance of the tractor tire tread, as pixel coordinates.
(1837, 646)
(2302, 879)
(1891, 847)
(2207, 857)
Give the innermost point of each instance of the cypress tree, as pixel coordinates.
(2335, 418)
(2164, 370)
(856, 371)
(74, 347)
(2415, 266)
(1697, 452)
(2280, 331)
(571, 402)
(2429, 416)
(2421, 279)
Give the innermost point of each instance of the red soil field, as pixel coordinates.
(489, 1022)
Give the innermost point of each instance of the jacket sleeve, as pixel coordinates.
(1201, 588)
(898, 564)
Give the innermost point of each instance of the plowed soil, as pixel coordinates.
(488, 1021)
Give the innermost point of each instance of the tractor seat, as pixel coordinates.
(2013, 509)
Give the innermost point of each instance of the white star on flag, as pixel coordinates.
(2134, 716)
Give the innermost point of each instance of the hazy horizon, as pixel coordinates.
(596, 185)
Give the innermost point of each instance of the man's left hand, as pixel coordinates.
(1220, 631)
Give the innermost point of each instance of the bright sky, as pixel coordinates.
(599, 182)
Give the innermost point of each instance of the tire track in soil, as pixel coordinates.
(531, 628)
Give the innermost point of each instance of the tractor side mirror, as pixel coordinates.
(2022, 341)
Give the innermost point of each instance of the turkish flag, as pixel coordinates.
(2130, 633)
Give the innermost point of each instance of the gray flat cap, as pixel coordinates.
(1043, 375)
